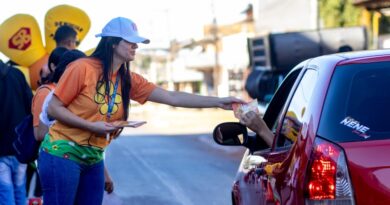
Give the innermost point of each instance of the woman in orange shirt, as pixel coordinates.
(91, 98)
(44, 89)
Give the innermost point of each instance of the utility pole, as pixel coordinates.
(217, 69)
(318, 14)
(172, 51)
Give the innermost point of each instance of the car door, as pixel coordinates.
(282, 164)
(248, 188)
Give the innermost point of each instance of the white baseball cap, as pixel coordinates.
(123, 28)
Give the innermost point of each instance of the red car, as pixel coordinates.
(331, 124)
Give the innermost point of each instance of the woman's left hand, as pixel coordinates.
(226, 103)
(108, 183)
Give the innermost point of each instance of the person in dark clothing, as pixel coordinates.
(16, 98)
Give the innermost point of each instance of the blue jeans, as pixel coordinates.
(12, 181)
(67, 182)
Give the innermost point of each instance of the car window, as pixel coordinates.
(357, 106)
(293, 118)
(276, 105)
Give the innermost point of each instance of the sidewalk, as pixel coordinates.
(166, 120)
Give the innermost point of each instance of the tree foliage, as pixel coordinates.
(339, 13)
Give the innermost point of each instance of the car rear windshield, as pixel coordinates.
(357, 106)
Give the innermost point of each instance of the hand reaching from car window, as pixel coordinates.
(256, 123)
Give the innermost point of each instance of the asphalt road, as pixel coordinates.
(171, 169)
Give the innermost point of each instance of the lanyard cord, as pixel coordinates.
(111, 100)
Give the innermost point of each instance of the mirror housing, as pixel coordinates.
(230, 133)
(236, 134)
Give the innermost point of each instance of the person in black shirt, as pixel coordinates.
(15, 105)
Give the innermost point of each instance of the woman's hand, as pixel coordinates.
(40, 131)
(102, 128)
(108, 183)
(226, 103)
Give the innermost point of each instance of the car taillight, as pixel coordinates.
(328, 177)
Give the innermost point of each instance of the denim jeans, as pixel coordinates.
(67, 182)
(12, 181)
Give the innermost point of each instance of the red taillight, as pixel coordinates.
(328, 177)
(322, 177)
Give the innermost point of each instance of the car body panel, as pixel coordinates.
(369, 168)
(247, 186)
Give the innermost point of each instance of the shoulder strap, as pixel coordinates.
(45, 86)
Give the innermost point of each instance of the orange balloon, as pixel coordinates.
(34, 71)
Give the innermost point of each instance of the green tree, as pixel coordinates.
(339, 13)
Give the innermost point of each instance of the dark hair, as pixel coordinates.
(104, 52)
(63, 33)
(54, 58)
(66, 58)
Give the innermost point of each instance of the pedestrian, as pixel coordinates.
(44, 89)
(15, 106)
(91, 97)
(45, 121)
(66, 38)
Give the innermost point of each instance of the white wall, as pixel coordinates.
(284, 15)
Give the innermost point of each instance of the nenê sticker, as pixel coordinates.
(358, 128)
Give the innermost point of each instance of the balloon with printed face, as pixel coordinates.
(20, 39)
(65, 15)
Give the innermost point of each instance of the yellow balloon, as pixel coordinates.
(25, 72)
(20, 39)
(89, 51)
(65, 15)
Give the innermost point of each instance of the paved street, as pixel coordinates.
(162, 119)
(173, 159)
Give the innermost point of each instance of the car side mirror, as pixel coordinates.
(230, 133)
(236, 134)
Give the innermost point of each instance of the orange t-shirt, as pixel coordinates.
(77, 91)
(39, 98)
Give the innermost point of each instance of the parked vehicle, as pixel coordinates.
(332, 135)
(273, 55)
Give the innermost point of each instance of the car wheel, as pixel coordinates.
(233, 201)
